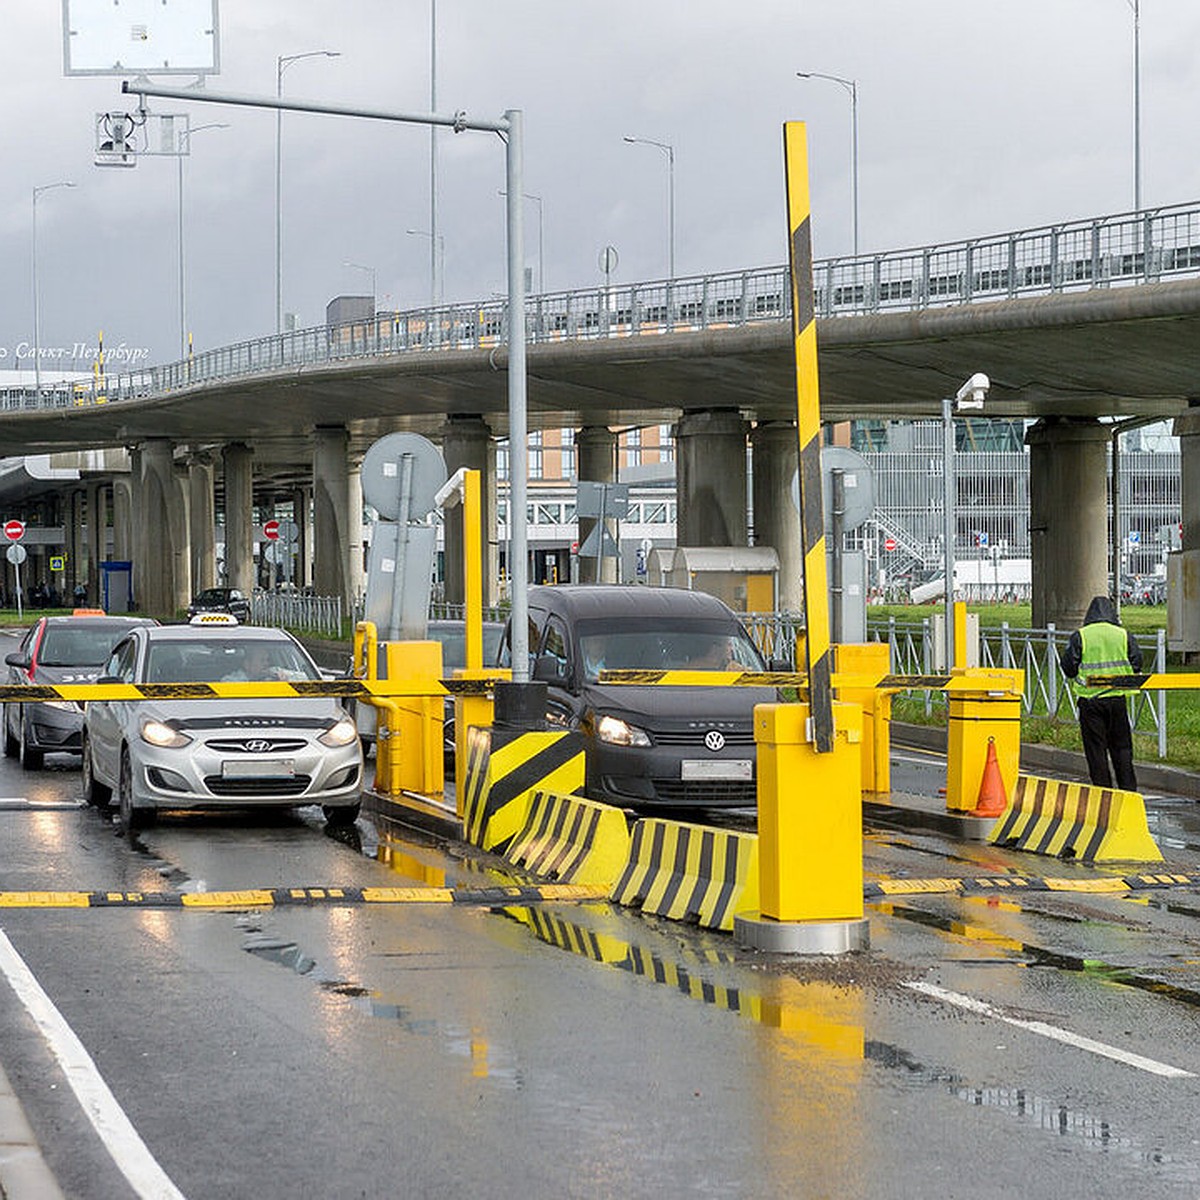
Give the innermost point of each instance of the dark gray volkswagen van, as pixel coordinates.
(648, 746)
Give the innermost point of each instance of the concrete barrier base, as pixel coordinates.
(753, 931)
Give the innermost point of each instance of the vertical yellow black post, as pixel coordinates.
(812, 509)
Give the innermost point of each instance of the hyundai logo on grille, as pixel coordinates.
(714, 739)
(257, 745)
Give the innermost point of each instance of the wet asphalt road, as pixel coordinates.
(420, 1050)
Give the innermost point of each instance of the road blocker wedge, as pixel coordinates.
(1076, 820)
(572, 840)
(690, 873)
(504, 769)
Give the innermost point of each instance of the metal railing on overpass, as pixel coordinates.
(1099, 252)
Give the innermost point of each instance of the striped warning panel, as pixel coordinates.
(1076, 820)
(571, 839)
(504, 769)
(690, 872)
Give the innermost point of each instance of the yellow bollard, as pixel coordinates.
(408, 745)
(809, 834)
(985, 702)
(872, 659)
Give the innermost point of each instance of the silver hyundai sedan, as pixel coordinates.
(164, 754)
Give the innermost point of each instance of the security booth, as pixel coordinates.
(744, 577)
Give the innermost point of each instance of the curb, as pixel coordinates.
(24, 1174)
(1072, 763)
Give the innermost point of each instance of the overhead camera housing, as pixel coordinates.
(972, 393)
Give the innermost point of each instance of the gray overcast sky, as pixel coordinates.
(974, 118)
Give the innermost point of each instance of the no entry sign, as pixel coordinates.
(14, 530)
(271, 530)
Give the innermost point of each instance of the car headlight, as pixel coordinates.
(616, 732)
(159, 733)
(341, 734)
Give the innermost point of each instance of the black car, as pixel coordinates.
(649, 746)
(66, 649)
(221, 599)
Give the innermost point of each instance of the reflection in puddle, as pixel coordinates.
(1094, 1133)
(1038, 956)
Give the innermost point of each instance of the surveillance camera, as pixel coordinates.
(973, 392)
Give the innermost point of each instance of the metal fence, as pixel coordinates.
(319, 616)
(1098, 252)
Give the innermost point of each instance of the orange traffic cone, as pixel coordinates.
(992, 799)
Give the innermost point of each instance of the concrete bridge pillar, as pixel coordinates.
(301, 514)
(776, 457)
(1187, 429)
(467, 442)
(162, 522)
(332, 532)
(75, 537)
(710, 479)
(238, 462)
(596, 448)
(1068, 518)
(122, 527)
(202, 520)
(97, 529)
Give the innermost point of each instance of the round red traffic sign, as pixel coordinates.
(271, 530)
(14, 530)
(889, 543)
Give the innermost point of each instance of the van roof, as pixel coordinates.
(609, 600)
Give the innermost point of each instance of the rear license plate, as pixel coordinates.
(717, 768)
(257, 768)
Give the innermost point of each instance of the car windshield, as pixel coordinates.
(454, 648)
(233, 661)
(214, 596)
(78, 645)
(644, 645)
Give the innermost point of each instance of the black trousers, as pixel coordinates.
(1104, 727)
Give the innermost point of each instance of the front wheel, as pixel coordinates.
(30, 758)
(132, 819)
(342, 814)
(94, 792)
(10, 742)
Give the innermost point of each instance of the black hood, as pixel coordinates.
(1101, 609)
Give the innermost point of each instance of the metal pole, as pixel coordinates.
(948, 526)
(434, 290)
(37, 359)
(517, 427)
(1137, 105)
(836, 585)
(671, 211)
(854, 154)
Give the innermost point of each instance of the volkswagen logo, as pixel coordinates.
(714, 740)
(259, 746)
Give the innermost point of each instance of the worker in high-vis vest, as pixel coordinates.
(1102, 647)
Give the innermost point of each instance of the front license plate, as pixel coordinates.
(257, 768)
(717, 768)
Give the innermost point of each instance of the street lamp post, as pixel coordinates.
(281, 63)
(541, 244)
(360, 267)
(185, 146)
(969, 397)
(1136, 7)
(669, 151)
(37, 308)
(440, 242)
(851, 85)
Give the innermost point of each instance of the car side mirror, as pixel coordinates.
(549, 669)
(17, 659)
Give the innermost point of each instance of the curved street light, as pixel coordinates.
(669, 151)
(282, 62)
(851, 86)
(37, 316)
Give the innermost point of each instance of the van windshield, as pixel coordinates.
(653, 646)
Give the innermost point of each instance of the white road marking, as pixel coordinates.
(1050, 1031)
(116, 1131)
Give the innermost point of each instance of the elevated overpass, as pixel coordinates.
(1073, 322)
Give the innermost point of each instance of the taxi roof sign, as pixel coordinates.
(214, 618)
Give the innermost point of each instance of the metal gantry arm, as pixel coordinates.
(511, 130)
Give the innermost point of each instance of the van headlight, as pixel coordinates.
(616, 732)
(340, 734)
(159, 733)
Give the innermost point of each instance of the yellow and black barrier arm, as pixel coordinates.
(304, 689)
(964, 684)
(1179, 681)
